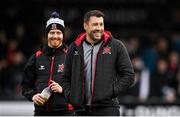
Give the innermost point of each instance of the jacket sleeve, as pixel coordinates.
(125, 76)
(28, 82)
(66, 77)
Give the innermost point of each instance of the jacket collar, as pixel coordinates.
(82, 36)
(51, 51)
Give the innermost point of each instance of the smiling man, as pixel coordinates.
(44, 71)
(94, 28)
(97, 70)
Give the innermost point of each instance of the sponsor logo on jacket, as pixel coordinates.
(41, 67)
(76, 52)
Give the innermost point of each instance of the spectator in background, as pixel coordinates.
(175, 38)
(11, 50)
(16, 74)
(133, 46)
(97, 69)
(162, 46)
(44, 69)
(3, 43)
(149, 54)
(160, 82)
(25, 41)
(3, 66)
(5, 83)
(141, 89)
(173, 68)
(178, 81)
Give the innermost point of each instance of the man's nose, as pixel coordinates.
(55, 35)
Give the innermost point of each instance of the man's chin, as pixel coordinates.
(55, 46)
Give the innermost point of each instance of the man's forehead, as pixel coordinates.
(55, 30)
(96, 19)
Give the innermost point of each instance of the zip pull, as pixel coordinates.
(53, 58)
(51, 70)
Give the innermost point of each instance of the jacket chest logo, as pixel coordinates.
(41, 67)
(107, 50)
(60, 68)
(76, 52)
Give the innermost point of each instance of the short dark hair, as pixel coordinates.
(96, 13)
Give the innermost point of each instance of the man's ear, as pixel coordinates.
(85, 25)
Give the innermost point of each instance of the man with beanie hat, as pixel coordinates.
(42, 73)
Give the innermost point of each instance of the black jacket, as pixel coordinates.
(113, 73)
(46, 64)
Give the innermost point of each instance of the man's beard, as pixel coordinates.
(92, 36)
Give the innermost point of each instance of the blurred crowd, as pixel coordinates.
(155, 53)
(156, 62)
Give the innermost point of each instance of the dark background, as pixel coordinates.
(150, 30)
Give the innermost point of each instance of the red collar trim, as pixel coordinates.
(82, 36)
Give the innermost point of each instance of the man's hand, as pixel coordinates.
(38, 99)
(55, 87)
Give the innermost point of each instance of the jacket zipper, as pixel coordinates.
(92, 85)
(51, 69)
(50, 78)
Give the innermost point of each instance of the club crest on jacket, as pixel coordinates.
(107, 50)
(60, 68)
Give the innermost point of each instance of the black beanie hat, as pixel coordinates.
(55, 22)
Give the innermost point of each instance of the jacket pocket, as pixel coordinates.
(76, 100)
(115, 91)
